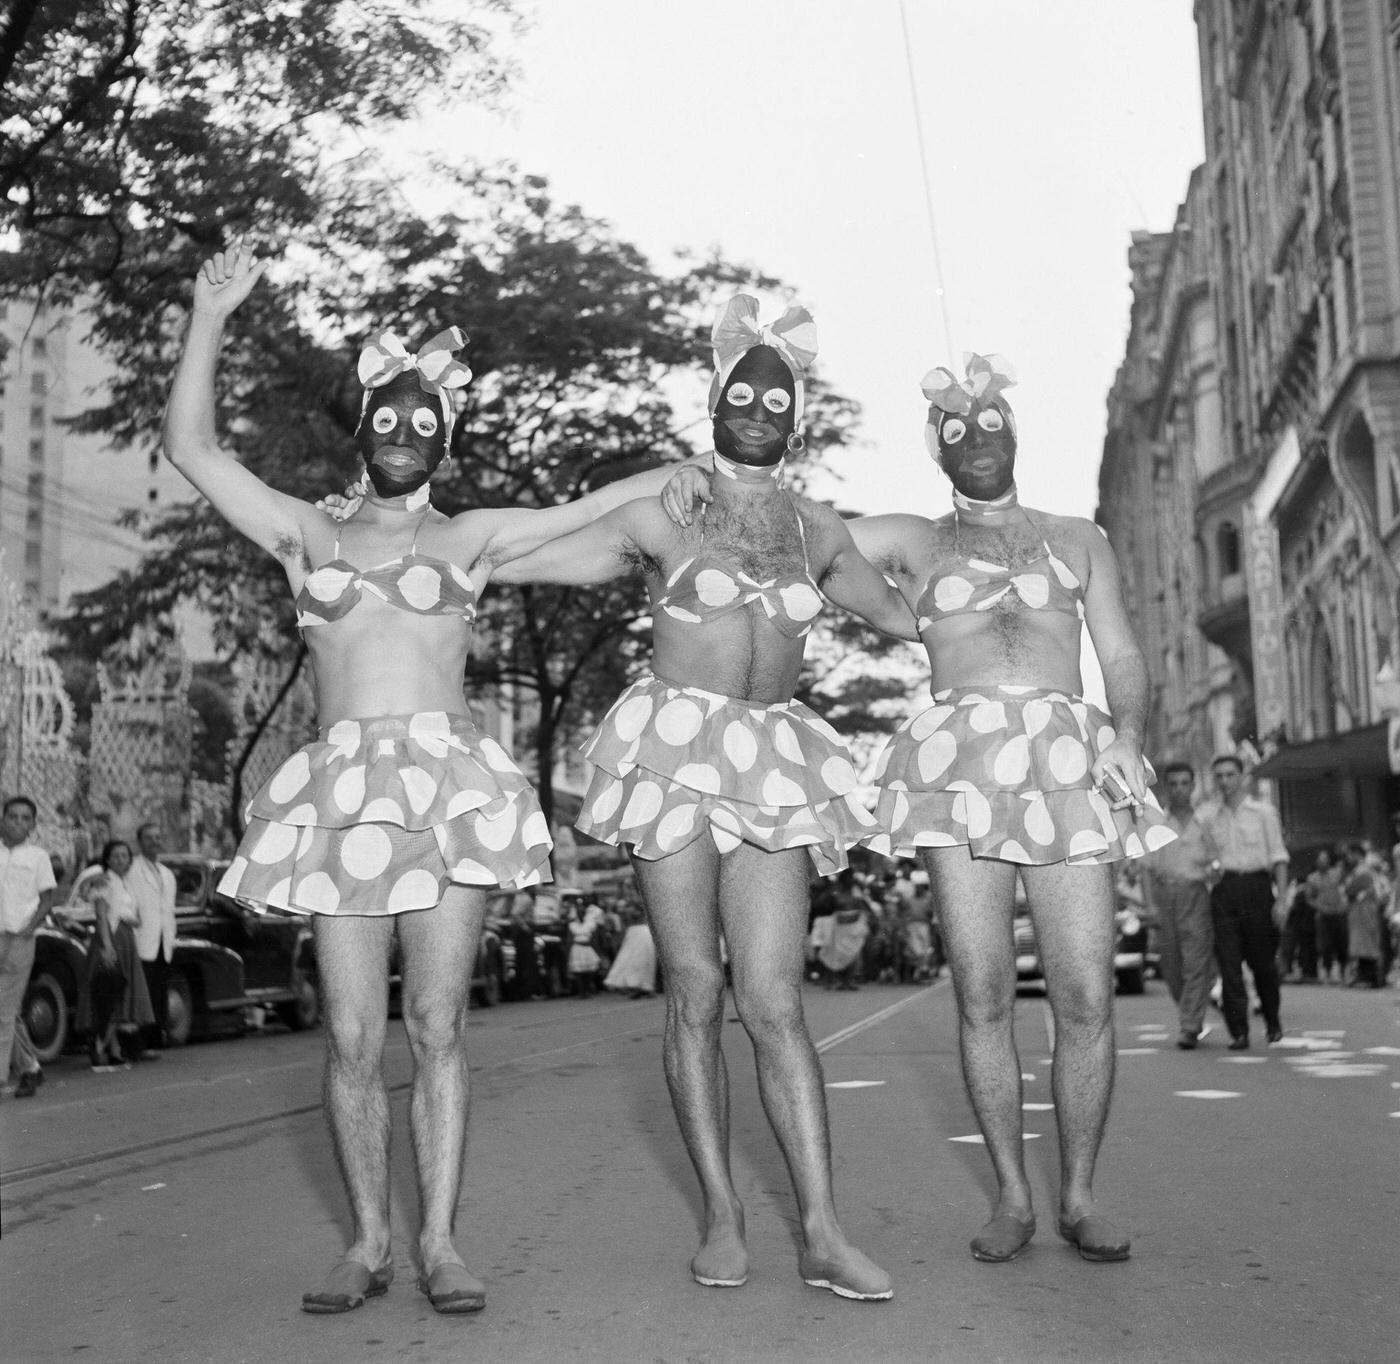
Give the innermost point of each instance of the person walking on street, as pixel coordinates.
(1360, 889)
(26, 891)
(1323, 889)
(1177, 894)
(1248, 899)
(152, 886)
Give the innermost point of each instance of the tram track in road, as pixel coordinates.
(91, 1163)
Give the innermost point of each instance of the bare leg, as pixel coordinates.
(1072, 908)
(976, 897)
(352, 961)
(680, 893)
(439, 950)
(764, 907)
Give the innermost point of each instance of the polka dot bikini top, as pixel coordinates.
(1046, 584)
(697, 592)
(413, 582)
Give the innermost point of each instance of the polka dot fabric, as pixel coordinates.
(672, 763)
(379, 816)
(1004, 771)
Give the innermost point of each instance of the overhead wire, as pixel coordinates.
(940, 288)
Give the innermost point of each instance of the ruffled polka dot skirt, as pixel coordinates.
(672, 763)
(380, 816)
(1005, 772)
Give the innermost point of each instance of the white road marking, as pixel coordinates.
(1243, 1060)
(853, 1084)
(837, 1037)
(1380, 1051)
(977, 1139)
(1138, 1051)
(1025, 1076)
(1209, 1094)
(1309, 1043)
(1038, 1108)
(1324, 1032)
(1349, 1071)
(146, 1188)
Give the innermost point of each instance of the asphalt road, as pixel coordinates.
(176, 1212)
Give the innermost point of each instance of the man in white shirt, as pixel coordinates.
(152, 886)
(1248, 900)
(26, 891)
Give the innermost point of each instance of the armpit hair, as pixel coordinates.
(639, 561)
(291, 551)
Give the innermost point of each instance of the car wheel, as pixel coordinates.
(1131, 981)
(179, 1011)
(304, 1011)
(45, 1014)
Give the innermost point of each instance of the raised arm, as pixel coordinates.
(270, 519)
(601, 551)
(1120, 658)
(853, 583)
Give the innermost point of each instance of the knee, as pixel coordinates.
(769, 1012)
(695, 1000)
(435, 1025)
(354, 1041)
(984, 1000)
(1083, 1005)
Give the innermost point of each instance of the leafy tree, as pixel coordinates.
(135, 133)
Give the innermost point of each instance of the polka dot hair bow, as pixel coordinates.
(987, 376)
(386, 357)
(793, 335)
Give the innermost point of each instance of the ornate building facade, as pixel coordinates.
(1293, 513)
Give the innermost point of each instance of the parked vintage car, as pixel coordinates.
(226, 960)
(1131, 958)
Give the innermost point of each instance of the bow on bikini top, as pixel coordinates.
(414, 582)
(1045, 584)
(698, 592)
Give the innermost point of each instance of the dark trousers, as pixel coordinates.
(156, 973)
(1242, 914)
(1299, 945)
(1332, 942)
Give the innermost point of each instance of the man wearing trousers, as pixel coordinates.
(1177, 891)
(152, 886)
(26, 891)
(1249, 899)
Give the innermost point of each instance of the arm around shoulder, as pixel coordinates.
(599, 552)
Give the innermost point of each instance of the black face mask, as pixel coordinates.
(757, 409)
(977, 451)
(402, 436)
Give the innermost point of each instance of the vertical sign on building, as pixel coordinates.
(1265, 622)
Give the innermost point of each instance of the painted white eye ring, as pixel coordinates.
(425, 421)
(385, 419)
(954, 429)
(739, 395)
(775, 400)
(989, 419)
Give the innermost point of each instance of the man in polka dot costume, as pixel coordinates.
(1011, 772)
(722, 785)
(397, 821)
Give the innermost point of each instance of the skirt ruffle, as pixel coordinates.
(1005, 771)
(672, 762)
(380, 816)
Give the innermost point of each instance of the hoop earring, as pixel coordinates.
(796, 444)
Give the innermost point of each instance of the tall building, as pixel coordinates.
(61, 491)
(1164, 439)
(1295, 506)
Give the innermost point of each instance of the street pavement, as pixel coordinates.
(177, 1212)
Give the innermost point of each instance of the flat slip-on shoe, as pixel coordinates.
(829, 1275)
(1003, 1238)
(1096, 1238)
(347, 1286)
(452, 1290)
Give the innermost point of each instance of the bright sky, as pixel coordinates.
(784, 133)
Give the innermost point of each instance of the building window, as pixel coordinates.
(1227, 548)
(39, 383)
(36, 414)
(36, 450)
